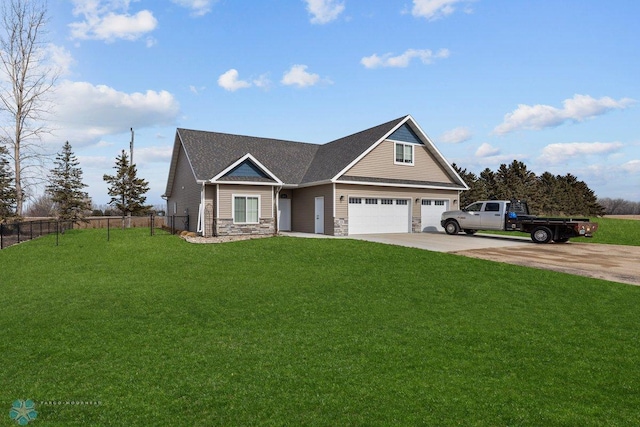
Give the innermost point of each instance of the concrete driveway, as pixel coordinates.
(441, 242)
(608, 262)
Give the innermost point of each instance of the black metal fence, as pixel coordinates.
(177, 223)
(21, 231)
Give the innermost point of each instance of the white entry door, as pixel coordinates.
(284, 214)
(430, 213)
(319, 218)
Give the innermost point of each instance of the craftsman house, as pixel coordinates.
(387, 179)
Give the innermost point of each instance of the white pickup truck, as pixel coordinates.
(513, 215)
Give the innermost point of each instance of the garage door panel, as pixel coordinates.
(368, 216)
(430, 213)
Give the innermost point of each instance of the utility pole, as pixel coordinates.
(130, 177)
(131, 148)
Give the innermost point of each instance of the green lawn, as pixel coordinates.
(321, 332)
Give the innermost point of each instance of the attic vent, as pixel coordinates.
(405, 134)
(247, 169)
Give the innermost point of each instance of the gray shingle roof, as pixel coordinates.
(292, 162)
(333, 157)
(211, 152)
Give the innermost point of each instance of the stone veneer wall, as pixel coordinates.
(340, 226)
(416, 224)
(226, 227)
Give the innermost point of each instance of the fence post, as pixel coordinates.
(18, 223)
(108, 229)
(57, 229)
(1, 234)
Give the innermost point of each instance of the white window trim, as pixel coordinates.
(413, 153)
(233, 207)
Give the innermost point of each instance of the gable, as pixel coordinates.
(405, 134)
(379, 163)
(246, 169)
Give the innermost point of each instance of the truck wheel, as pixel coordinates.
(451, 227)
(470, 232)
(541, 235)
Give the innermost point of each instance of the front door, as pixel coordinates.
(319, 217)
(284, 214)
(491, 217)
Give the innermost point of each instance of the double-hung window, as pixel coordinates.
(404, 154)
(245, 209)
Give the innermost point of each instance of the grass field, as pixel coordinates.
(322, 332)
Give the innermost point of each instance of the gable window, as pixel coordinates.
(404, 154)
(245, 209)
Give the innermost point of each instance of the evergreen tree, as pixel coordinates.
(126, 190)
(548, 191)
(475, 192)
(65, 187)
(546, 195)
(515, 181)
(488, 184)
(7, 189)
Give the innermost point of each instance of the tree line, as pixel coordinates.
(619, 206)
(547, 194)
(65, 197)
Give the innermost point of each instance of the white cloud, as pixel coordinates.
(198, 7)
(231, 82)
(262, 82)
(109, 20)
(561, 152)
(632, 166)
(86, 113)
(456, 136)
(436, 9)
(324, 11)
(153, 154)
(487, 150)
(576, 109)
(298, 76)
(401, 61)
(61, 59)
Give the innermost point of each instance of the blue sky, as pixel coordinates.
(554, 84)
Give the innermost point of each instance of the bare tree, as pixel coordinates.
(25, 80)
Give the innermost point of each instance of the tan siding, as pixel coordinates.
(347, 190)
(379, 163)
(303, 205)
(185, 195)
(227, 192)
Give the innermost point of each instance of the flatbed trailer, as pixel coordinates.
(513, 215)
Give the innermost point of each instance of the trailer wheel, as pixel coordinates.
(470, 232)
(451, 227)
(541, 235)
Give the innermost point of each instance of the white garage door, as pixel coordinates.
(378, 215)
(431, 210)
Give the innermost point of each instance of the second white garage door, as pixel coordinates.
(431, 210)
(378, 215)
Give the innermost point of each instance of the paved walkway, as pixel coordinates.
(438, 242)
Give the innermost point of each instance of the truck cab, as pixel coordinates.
(484, 215)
